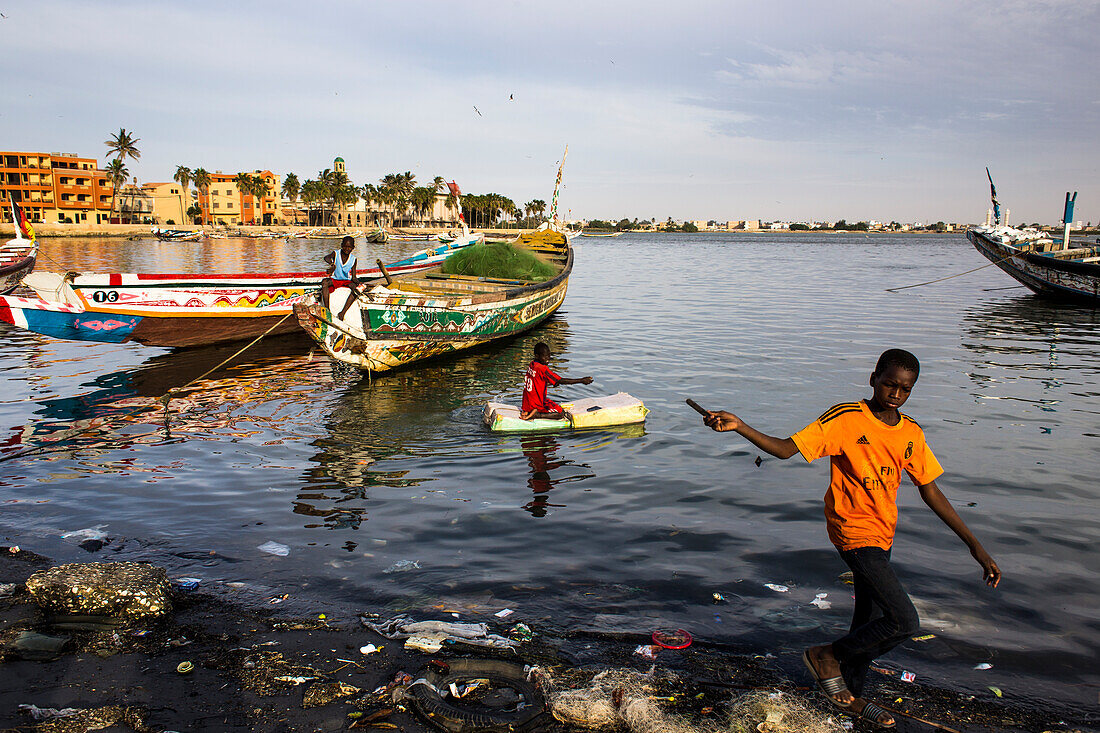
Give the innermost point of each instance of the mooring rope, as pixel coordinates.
(960, 274)
(163, 399)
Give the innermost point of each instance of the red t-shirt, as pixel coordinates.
(534, 388)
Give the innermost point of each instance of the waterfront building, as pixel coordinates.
(169, 202)
(55, 187)
(223, 203)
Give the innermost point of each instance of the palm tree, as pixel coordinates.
(116, 174)
(260, 189)
(291, 189)
(539, 208)
(183, 178)
(369, 193)
(326, 180)
(201, 179)
(123, 145)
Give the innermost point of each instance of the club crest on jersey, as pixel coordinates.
(909, 450)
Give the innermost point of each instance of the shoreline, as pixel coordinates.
(238, 648)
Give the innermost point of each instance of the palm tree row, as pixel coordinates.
(122, 145)
(255, 187)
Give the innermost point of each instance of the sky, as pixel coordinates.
(793, 111)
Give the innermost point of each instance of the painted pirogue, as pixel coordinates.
(405, 318)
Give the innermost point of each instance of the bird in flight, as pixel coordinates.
(512, 97)
(478, 111)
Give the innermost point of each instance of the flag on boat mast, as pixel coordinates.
(23, 228)
(557, 184)
(993, 195)
(458, 202)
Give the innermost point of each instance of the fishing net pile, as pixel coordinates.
(500, 261)
(625, 699)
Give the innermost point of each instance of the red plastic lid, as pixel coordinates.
(672, 638)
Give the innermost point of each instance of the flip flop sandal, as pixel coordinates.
(871, 713)
(828, 685)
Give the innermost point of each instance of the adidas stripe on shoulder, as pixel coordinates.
(838, 410)
(911, 420)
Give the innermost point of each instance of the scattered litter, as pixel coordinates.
(820, 602)
(7, 589)
(847, 577)
(140, 632)
(188, 583)
(274, 548)
(776, 587)
(983, 665)
(401, 627)
(924, 637)
(672, 638)
(321, 617)
(429, 643)
(276, 600)
(33, 646)
(368, 649)
(323, 693)
(521, 632)
(996, 691)
(88, 533)
(185, 667)
(718, 597)
(47, 713)
(847, 724)
(402, 566)
(908, 676)
(293, 679)
(504, 613)
(647, 651)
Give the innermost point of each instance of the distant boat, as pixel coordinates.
(18, 256)
(1029, 256)
(177, 235)
(173, 310)
(595, 234)
(429, 313)
(378, 236)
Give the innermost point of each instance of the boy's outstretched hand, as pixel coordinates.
(722, 421)
(990, 571)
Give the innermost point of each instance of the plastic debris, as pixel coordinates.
(37, 647)
(47, 713)
(88, 533)
(185, 667)
(323, 693)
(847, 577)
(718, 597)
(983, 665)
(504, 613)
(402, 566)
(820, 602)
(647, 651)
(294, 679)
(368, 649)
(672, 638)
(274, 548)
(521, 632)
(401, 627)
(924, 637)
(7, 589)
(429, 643)
(777, 587)
(908, 676)
(996, 691)
(188, 583)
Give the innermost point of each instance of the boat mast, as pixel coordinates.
(1067, 218)
(993, 195)
(557, 185)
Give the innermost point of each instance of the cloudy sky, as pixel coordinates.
(696, 110)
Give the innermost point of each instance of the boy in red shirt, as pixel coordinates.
(869, 444)
(535, 402)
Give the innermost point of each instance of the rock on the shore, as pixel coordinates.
(126, 590)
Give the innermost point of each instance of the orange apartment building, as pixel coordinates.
(223, 203)
(55, 187)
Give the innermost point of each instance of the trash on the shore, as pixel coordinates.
(820, 602)
(401, 627)
(188, 583)
(126, 590)
(777, 587)
(983, 665)
(504, 613)
(647, 651)
(996, 691)
(36, 647)
(671, 638)
(402, 566)
(718, 597)
(521, 632)
(924, 637)
(38, 713)
(88, 533)
(463, 694)
(368, 649)
(7, 589)
(908, 676)
(274, 548)
(276, 600)
(430, 643)
(848, 577)
(293, 679)
(323, 693)
(185, 667)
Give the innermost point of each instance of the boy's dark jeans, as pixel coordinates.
(883, 616)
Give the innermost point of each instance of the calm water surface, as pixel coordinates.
(622, 529)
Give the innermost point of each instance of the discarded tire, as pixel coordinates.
(511, 703)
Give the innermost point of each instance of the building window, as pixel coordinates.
(229, 205)
(217, 205)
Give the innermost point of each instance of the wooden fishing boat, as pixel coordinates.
(598, 234)
(173, 310)
(407, 318)
(177, 235)
(17, 259)
(1034, 259)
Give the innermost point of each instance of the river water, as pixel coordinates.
(390, 494)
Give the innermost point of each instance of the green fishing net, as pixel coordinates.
(500, 261)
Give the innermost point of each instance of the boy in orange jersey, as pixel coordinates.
(869, 444)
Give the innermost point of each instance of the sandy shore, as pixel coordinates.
(238, 652)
